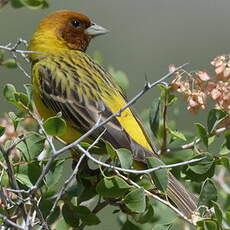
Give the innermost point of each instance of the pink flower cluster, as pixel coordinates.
(199, 87)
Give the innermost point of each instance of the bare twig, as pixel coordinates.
(19, 65)
(197, 141)
(11, 223)
(14, 48)
(14, 51)
(43, 222)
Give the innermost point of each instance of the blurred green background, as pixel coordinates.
(146, 36)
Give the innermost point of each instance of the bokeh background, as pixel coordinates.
(146, 36)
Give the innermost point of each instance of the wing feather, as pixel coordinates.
(80, 92)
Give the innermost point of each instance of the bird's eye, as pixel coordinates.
(76, 22)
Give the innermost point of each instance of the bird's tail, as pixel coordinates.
(185, 201)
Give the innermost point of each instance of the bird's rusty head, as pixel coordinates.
(65, 29)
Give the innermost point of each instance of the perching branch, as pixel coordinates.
(146, 171)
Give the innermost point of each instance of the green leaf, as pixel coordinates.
(55, 126)
(72, 214)
(207, 224)
(218, 212)
(177, 134)
(75, 189)
(8, 92)
(16, 3)
(201, 167)
(45, 206)
(172, 99)
(10, 63)
(24, 179)
(202, 133)
(225, 162)
(4, 180)
(146, 216)
(154, 116)
(125, 157)
(61, 224)
(35, 4)
(86, 216)
(21, 98)
(227, 215)
(55, 215)
(32, 146)
(110, 150)
(112, 187)
(199, 177)
(69, 212)
(2, 130)
(135, 200)
(15, 119)
(215, 116)
(54, 176)
(160, 177)
(208, 193)
(211, 140)
(224, 151)
(164, 89)
(29, 90)
(130, 226)
(32, 171)
(210, 225)
(86, 194)
(227, 138)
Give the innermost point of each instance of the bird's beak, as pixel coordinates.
(95, 30)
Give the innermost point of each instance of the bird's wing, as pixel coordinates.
(79, 88)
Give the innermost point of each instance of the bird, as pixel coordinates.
(65, 79)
